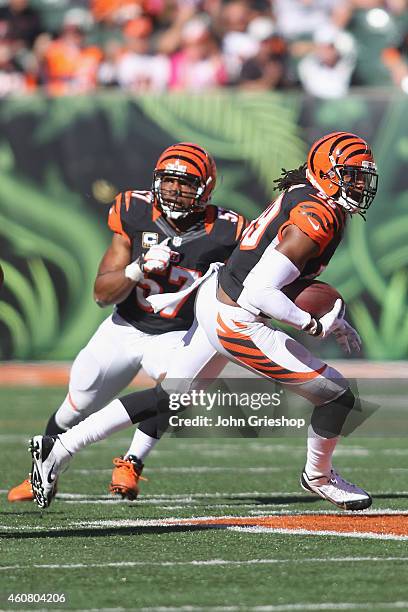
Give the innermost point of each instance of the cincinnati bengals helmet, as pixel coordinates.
(342, 165)
(192, 165)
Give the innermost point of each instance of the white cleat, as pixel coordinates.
(47, 465)
(336, 490)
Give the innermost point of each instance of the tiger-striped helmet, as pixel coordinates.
(342, 165)
(191, 164)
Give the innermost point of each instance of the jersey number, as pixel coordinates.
(183, 277)
(255, 230)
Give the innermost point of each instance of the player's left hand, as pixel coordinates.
(347, 337)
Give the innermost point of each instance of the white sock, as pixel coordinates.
(319, 454)
(141, 445)
(97, 426)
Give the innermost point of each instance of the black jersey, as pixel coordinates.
(212, 238)
(318, 217)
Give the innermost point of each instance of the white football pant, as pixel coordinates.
(108, 363)
(244, 338)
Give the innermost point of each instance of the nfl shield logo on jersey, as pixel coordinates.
(149, 239)
(177, 240)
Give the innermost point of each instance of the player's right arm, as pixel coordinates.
(117, 273)
(111, 284)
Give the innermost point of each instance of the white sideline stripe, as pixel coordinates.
(336, 511)
(198, 470)
(341, 534)
(216, 494)
(177, 496)
(187, 520)
(215, 451)
(185, 498)
(206, 562)
(211, 470)
(167, 500)
(14, 438)
(168, 505)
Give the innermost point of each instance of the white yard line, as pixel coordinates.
(204, 563)
(169, 498)
(199, 469)
(212, 520)
(268, 446)
(220, 470)
(215, 495)
(340, 534)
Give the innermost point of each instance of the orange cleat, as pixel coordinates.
(126, 476)
(22, 492)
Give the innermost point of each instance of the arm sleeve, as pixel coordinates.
(262, 289)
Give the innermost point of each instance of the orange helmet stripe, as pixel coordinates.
(318, 144)
(190, 153)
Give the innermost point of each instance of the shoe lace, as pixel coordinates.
(337, 479)
(120, 462)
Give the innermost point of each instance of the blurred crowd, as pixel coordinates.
(321, 46)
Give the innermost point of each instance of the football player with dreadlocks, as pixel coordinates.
(295, 237)
(163, 240)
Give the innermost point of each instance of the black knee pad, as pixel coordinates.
(156, 426)
(328, 420)
(143, 405)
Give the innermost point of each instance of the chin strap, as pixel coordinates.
(350, 209)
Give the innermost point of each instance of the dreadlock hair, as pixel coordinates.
(291, 177)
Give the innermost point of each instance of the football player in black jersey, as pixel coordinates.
(163, 240)
(296, 236)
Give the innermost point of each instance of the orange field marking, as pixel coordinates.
(56, 374)
(33, 374)
(46, 375)
(380, 524)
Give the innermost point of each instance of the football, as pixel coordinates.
(313, 296)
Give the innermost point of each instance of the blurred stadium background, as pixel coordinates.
(92, 91)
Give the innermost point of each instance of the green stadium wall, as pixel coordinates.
(62, 160)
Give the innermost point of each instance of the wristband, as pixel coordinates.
(314, 328)
(134, 272)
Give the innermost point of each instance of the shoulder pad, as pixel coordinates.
(225, 222)
(318, 218)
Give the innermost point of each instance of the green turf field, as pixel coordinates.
(98, 552)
